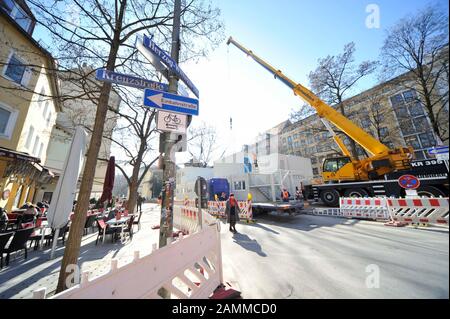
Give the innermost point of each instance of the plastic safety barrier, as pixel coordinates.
(327, 212)
(217, 209)
(419, 210)
(367, 208)
(193, 275)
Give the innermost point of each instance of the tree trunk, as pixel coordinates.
(352, 142)
(72, 249)
(134, 183)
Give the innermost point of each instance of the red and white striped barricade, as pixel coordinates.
(246, 210)
(368, 208)
(216, 208)
(185, 219)
(419, 210)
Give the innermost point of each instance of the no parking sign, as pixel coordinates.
(408, 182)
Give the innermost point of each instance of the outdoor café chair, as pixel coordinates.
(138, 221)
(4, 238)
(62, 234)
(19, 242)
(104, 230)
(90, 222)
(129, 229)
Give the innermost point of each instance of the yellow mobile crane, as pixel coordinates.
(346, 169)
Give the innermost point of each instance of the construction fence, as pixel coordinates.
(403, 210)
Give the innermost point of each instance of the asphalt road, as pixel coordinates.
(309, 256)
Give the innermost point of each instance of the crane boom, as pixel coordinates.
(368, 142)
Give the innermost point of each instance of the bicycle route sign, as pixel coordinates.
(408, 182)
(171, 122)
(170, 102)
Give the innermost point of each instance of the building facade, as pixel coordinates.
(391, 112)
(28, 106)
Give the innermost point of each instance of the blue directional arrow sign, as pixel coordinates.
(170, 102)
(438, 150)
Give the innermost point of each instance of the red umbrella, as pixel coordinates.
(109, 180)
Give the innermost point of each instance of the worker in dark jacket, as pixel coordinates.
(232, 212)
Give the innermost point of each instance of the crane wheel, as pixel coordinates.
(330, 197)
(356, 192)
(430, 191)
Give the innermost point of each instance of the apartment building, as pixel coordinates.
(28, 107)
(389, 111)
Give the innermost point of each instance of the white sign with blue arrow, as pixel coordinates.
(438, 150)
(170, 102)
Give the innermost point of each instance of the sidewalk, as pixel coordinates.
(22, 277)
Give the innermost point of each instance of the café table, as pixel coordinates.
(114, 222)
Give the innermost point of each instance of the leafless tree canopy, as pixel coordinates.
(203, 142)
(419, 44)
(335, 76)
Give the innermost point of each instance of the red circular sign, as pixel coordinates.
(408, 182)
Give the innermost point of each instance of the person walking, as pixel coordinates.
(140, 200)
(232, 212)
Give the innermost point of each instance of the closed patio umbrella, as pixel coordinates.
(108, 184)
(62, 200)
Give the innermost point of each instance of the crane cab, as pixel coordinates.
(338, 169)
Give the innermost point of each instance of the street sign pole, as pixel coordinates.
(167, 141)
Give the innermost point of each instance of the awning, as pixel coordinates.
(6, 152)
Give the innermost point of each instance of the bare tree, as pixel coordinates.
(102, 33)
(203, 142)
(335, 76)
(418, 44)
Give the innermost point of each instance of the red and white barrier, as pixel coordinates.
(419, 210)
(370, 208)
(216, 208)
(192, 275)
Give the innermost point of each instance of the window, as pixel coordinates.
(50, 116)
(313, 160)
(376, 107)
(365, 123)
(315, 171)
(419, 155)
(45, 109)
(289, 139)
(4, 119)
(41, 97)
(330, 165)
(18, 195)
(36, 144)
(29, 137)
(40, 150)
(295, 136)
(427, 140)
(18, 14)
(407, 127)
(396, 100)
(8, 118)
(416, 109)
(15, 69)
(413, 141)
(384, 132)
(409, 96)
(401, 112)
(421, 124)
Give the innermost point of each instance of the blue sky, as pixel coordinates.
(292, 36)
